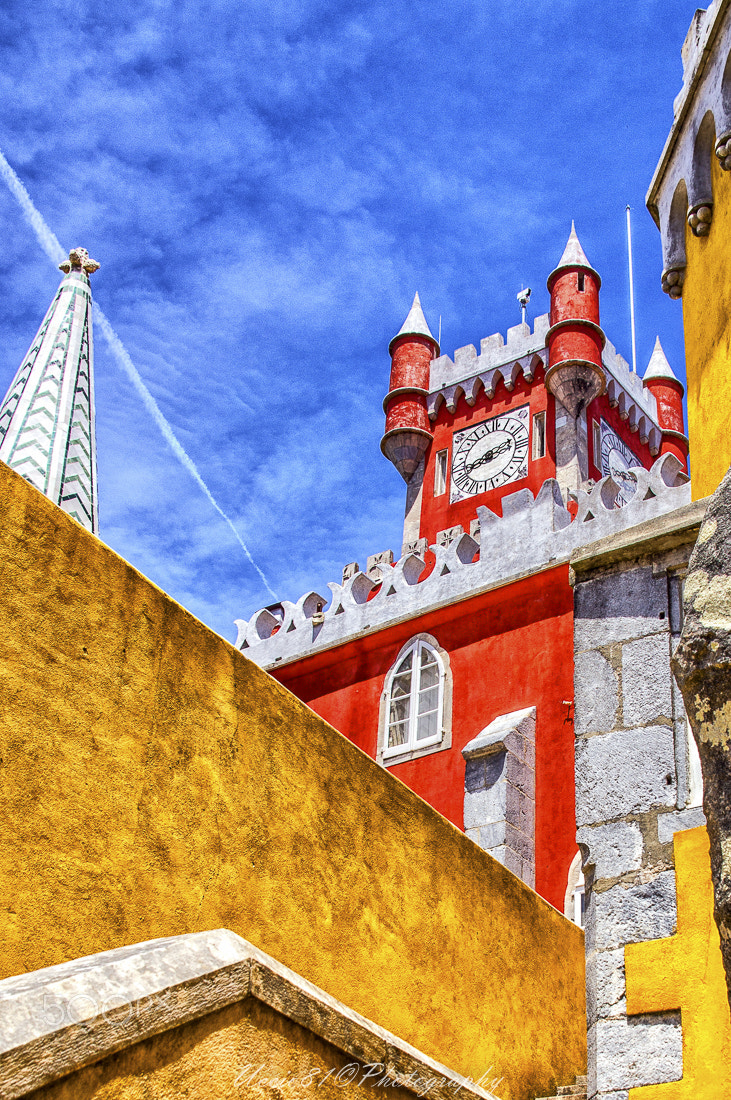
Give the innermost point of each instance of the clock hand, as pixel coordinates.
(488, 456)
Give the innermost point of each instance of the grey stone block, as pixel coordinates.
(646, 680)
(669, 824)
(520, 843)
(618, 607)
(596, 693)
(484, 807)
(613, 848)
(630, 914)
(605, 985)
(513, 861)
(624, 772)
(474, 774)
(520, 775)
(492, 836)
(635, 1051)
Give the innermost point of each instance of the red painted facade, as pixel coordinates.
(436, 511)
(508, 649)
(512, 647)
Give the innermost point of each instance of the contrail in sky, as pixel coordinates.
(51, 245)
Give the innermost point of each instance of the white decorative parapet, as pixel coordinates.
(532, 535)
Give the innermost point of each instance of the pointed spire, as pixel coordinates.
(573, 256)
(415, 324)
(658, 367)
(47, 416)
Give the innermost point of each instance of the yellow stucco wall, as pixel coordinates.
(247, 1050)
(153, 781)
(707, 324)
(686, 972)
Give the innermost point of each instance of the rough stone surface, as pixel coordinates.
(646, 684)
(130, 994)
(670, 824)
(596, 693)
(641, 1050)
(605, 984)
(642, 911)
(624, 772)
(613, 849)
(702, 665)
(619, 607)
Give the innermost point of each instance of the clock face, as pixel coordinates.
(490, 454)
(617, 459)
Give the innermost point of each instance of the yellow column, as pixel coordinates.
(685, 972)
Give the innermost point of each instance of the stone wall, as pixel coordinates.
(633, 784)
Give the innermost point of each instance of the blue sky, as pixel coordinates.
(265, 185)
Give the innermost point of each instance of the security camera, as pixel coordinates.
(523, 297)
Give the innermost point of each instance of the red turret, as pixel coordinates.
(575, 340)
(408, 430)
(668, 392)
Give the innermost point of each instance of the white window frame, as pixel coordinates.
(413, 748)
(539, 448)
(441, 473)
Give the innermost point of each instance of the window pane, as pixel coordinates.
(401, 686)
(429, 676)
(427, 726)
(428, 700)
(397, 734)
(400, 710)
(407, 661)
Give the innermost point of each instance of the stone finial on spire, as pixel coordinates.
(79, 260)
(658, 367)
(415, 324)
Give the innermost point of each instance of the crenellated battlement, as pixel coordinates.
(524, 353)
(532, 535)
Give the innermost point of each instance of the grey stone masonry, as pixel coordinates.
(632, 789)
(57, 1020)
(500, 791)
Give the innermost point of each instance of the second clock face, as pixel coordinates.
(617, 460)
(490, 454)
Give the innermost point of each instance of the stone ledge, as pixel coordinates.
(57, 1020)
(662, 533)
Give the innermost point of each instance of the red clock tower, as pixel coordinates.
(453, 665)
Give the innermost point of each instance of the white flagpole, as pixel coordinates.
(631, 292)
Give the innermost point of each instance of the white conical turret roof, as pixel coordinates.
(415, 324)
(573, 256)
(47, 416)
(658, 367)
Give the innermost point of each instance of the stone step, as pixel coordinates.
(577, 1091)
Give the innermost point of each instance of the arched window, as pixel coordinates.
(413, 718)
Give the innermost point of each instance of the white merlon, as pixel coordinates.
(47, 416)
(522, 353)
(533, 535)
(658, 367)
(415, 323)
